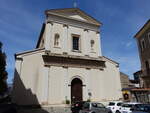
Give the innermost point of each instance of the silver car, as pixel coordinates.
(93, 107)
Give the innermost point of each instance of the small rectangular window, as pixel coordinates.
(75, 43)
(149, 37)
(147, 67)
(143, 45)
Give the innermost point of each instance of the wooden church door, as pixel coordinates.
(76, 90)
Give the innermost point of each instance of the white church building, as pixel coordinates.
(67, 64)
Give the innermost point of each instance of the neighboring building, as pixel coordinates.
(127, 85)
(142, 94)
(138, 78)
(143, 42)
(125, 82)
(67, 64)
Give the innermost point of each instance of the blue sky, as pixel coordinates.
(21, 21)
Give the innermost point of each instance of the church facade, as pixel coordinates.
(67, 64)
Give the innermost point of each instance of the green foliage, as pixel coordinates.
(88, 100)
(3, 73)
(67, 101)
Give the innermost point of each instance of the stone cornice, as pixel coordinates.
(73, 61)
(87, 57)
(49, 22)
(73, 19)
(86, 30)
(71, 22)
(65, 25)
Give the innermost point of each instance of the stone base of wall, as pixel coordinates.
(45, 110)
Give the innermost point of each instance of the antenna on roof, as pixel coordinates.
(75, 4)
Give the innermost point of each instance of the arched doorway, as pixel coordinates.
(76, 90)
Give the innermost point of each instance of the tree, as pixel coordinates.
(3, 72)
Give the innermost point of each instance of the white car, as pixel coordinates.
(126, 107)
(115, 106)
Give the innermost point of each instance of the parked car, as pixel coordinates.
(77, 106)
(93, 107)
(141, 108)
(7, 108)
(126, 107)
(115, 107)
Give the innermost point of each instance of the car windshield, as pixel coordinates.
(127, 105)
(119, 104)
(142, 107)
(98, 105)
(86, 105)
(111, 103)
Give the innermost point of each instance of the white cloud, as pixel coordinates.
(128, 44)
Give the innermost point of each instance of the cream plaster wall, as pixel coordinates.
(60, 80)
(103, 84)
(29, 78)
(112, 82)
(65, 42)
(51, 85)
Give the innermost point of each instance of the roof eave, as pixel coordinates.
(138, 34)
(95, 24)
(30, 51)
(98, 22)
(41, 34)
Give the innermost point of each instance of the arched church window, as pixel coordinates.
(56, 40)
(92, 45)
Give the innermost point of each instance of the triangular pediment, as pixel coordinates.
(74, 13)
(76, 16)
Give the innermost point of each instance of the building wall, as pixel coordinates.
(145, 55)
(112, 84)
(65, 41)
(51, 85)
(28, 79)
(94, 80)
(125, 83)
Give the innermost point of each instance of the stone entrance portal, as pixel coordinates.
(76, 90)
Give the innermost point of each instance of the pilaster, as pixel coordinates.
(65, 38)
(48, 36)
(85, 40)
(86, 89)
(45, 88)
(99, 51)
(66, 82)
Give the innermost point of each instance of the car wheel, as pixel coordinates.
(117, 111)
